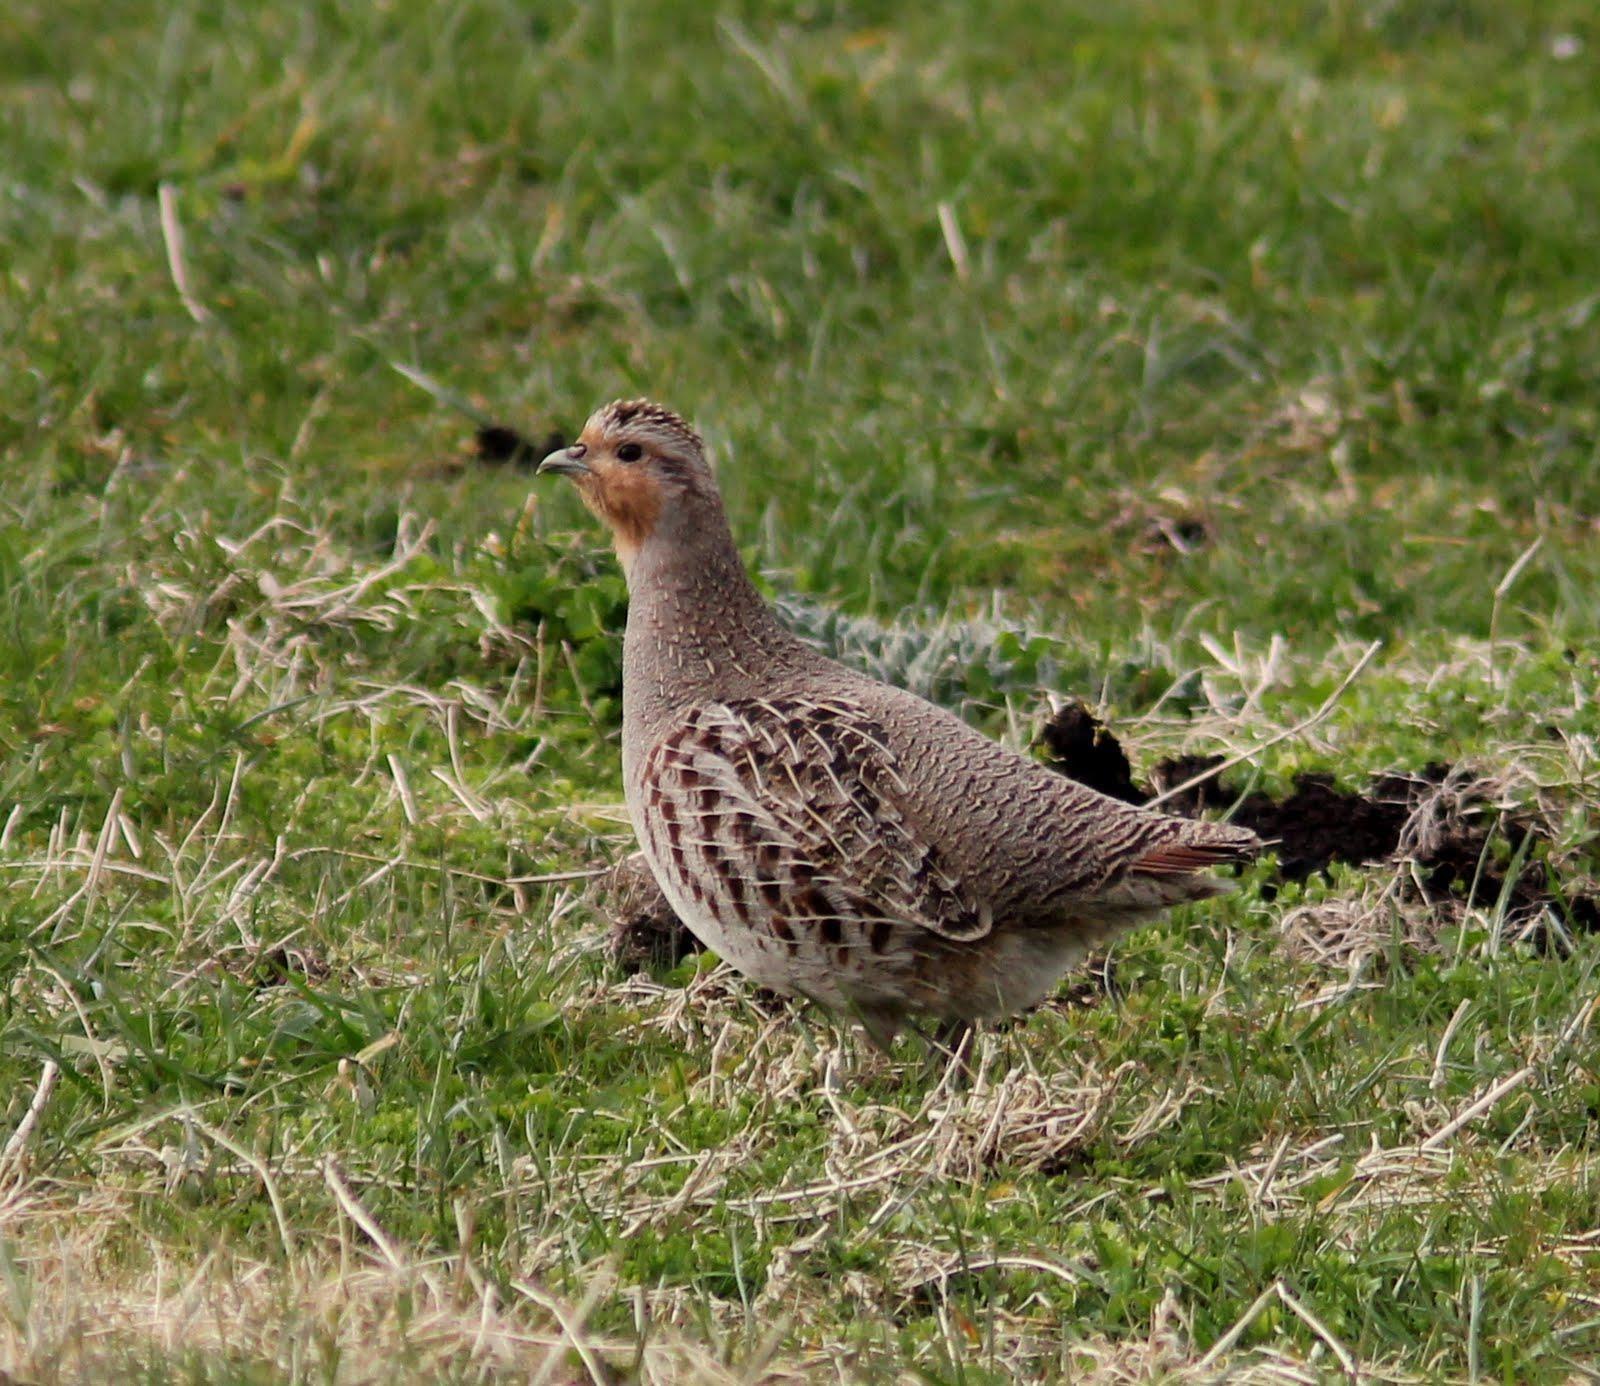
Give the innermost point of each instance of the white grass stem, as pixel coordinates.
(955, 244)
(357, 1214)
(12, 1158)
(1298, 729)
(1438, 1080)
(12, 819)
(572, 1331)
(1225, 1343)
(1572, 1030)
(1311, 1321)
(408, 802)
(1502, 589)
(172, 238)
(443, 393)
(1475, 1109)
(211, 1133)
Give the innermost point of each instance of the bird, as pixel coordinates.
(831, 836)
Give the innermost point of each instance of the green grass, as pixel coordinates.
(299, 706)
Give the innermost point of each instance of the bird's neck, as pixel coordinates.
(697, 627)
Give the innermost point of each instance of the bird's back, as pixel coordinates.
(1042, 845)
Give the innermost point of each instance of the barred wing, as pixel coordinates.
(790, 812)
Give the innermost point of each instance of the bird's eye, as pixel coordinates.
(629, 452)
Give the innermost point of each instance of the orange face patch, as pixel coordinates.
(626, 498)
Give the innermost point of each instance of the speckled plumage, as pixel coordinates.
(830, 835)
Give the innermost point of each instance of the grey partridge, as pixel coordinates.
(829, 835)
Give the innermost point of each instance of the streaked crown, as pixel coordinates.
(646, 421)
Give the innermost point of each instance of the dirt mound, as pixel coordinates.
(1313, 826)
(1081, 746)
(1465, 845)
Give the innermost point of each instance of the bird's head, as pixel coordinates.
(637, 466)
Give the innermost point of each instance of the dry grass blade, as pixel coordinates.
(13, 1158)
(1300, 728)
(571, 1322)
(1241, 1326)
(1338, 1349)
(360, 1216)
(177, 264)
(1575, 1027)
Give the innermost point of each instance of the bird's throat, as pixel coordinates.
(697, 627)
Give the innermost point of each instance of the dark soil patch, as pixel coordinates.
(498, 444)
(1079, 745)
(1313, 826)
(1462, 844)
(1179, 534)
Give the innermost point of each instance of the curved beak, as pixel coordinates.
(567, 461)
